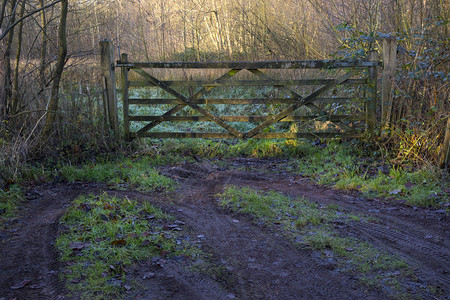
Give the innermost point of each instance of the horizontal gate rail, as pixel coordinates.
(333, 118)
(247, 82)
(195, 94)
(262, 135)
(143, 101)
(291, 64)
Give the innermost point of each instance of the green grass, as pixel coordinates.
(332, 163)
(311, 225)
(338, 164)
(342, 164)
(137, 173)
(418, 188)
(102, 235)
(10, 199)
(210, 149)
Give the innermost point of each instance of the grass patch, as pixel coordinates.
(12, 193)
(257, 148)
(311, 225)
(10, 198)
(346, 165)
(102, 235)
(137, 173)
(339, 164)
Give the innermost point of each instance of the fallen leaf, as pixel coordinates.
(161, 263)
(119, 243)
(127, 287)
(395, 192)
(77, 245)
(174, 227)
(409, 185)
(37, 286)
(20, 284)
(132, 235)
(166, 236)
(149, 275)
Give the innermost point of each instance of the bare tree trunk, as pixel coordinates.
(53, 105)
(15, 87)
(7, 84)
(43, 46)
(2, 12)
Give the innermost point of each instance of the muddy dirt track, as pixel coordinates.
(248, 260)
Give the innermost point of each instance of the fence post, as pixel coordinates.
(389, 65)
(445, 152)
(126, 118)
(371, 107)
(109, 84)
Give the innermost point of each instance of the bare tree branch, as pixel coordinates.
(25, 17)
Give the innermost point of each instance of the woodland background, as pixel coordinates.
(50, 91)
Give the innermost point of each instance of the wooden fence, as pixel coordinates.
(341, 103)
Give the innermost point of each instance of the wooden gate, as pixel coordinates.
(340, 103)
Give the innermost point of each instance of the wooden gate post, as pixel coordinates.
(126, 117)
(444, 160)
(389, 65)
(109, 84)
(371, 107)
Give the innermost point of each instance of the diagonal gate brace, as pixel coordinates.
(298, 97)
(189, 101)
(300, 102)
(194, 97)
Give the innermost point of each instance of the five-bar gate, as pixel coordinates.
(340, 103)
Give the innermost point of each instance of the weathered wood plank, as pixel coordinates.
(333, 118)
(371, 107)
(294, 64)
(203, 83)
(109, 81)
(240, 101)
(263, 135)
(389, 65)
(444, 160)
(125, 99)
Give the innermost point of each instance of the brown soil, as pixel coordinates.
(247, 260)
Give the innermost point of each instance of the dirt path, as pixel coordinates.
(247, 261)
(28, 260)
